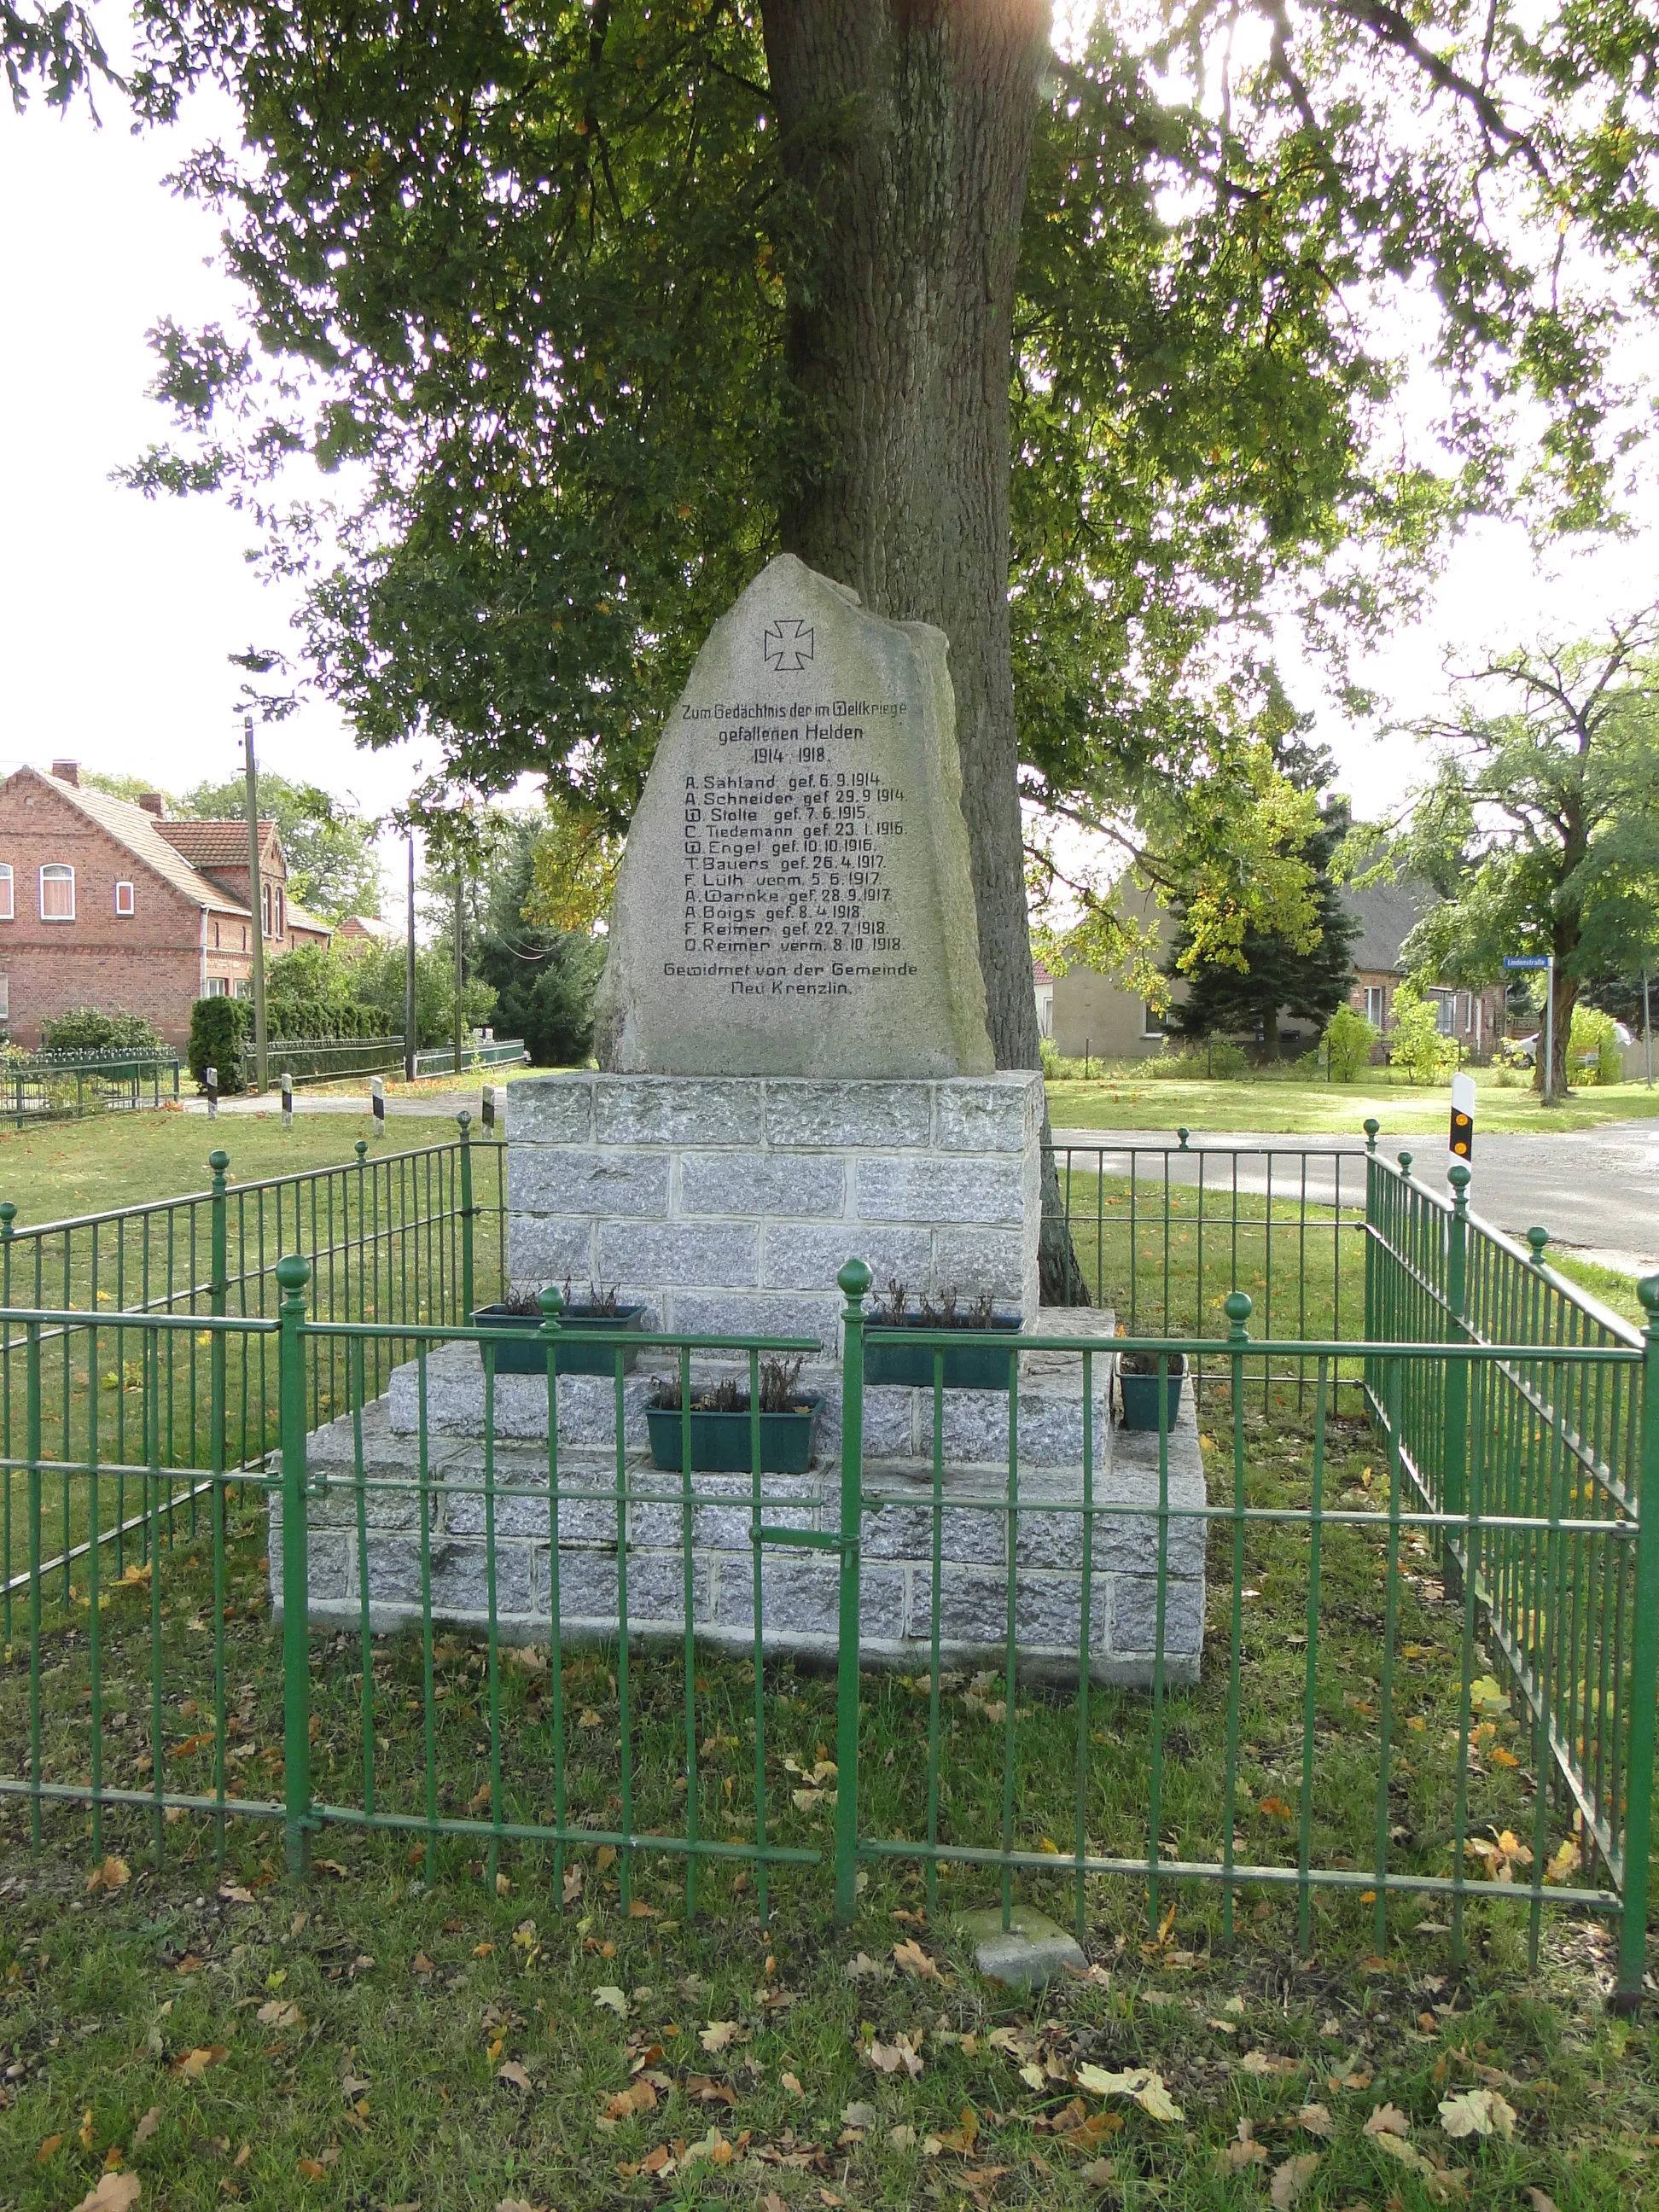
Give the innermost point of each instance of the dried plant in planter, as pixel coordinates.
(1146, 1362)
(898, 1298)
(598, 1301)
(949, 1313)
(780, 1392)
(521, 1303)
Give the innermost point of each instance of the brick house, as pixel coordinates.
(104, 904)
(1387, 911)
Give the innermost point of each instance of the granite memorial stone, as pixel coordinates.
(796, 897)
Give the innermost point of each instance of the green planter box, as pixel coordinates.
(978, 1362)
(1140, 1395)
(721, 1443)
(520, 1351)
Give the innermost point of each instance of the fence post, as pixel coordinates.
(218, 1287)
(1644, 1682)
(292, 1273)
(465, 1119)
(855, 1279)
(1454, 1481)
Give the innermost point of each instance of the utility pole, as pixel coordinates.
(460, 886)
(410, 1041)
(1647, 1026)
(255, 904)
(1549, 1031)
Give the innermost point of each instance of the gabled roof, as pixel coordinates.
(1388, 912)
(298, 919)
(213, 844)
(140, 833)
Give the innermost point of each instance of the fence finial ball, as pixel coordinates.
(1457, 1175)
(218, 1161)
(855, 1280)
(551, 1302)
(1648, 1291)
(1238, 1307)
(293, 1272)
(1538, 1238)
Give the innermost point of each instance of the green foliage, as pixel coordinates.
(1593, 1053)
(58, 43)
(219, 1027)
(1348, 1042)
(88, 1029)
(536, 267)
(379, 975)
(1245, 979)
(332, 865)
(1416, 1047)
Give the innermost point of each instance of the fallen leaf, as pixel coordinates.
(858, 2115)
(612, 1999)
(513, 2074)
(86, 2128)
(1099, 2173)
(147, 2127)
(195, 2063)
(1477, 2112)
(1316, 2119)
(1244, 2151)
(278, 2015)
(1541, 2200)
(792, 2083)
(1388, 2120)
(329, 1866)
(1277, 1808)
(116, 2192)
(912, 1960)
(717, 2034)
(1139, 2082)
(862, 1965)
(1266, 2065)
(312, 2168)
(1565, 1859)
(114, 1873)
(891, 2058)
(47, 2148)
(708, 2091)
(639, 2096)
(573, 1885)
(1291, 2179)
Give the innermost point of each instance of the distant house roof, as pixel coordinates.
(1040, 974)
(146, 840)
(298, 919)
(1388, 912)
(212, 844)
(370, 925)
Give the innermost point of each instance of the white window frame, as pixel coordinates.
(1375, 995)
(124, 912)
(58, 871)
(266, 903)
(276, 904)
(1151, 1026)
(8, 893)
(5, 996)
(218, 987)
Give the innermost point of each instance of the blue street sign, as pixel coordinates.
(1527, 960)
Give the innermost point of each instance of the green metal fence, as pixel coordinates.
(52, 1086)
(1518, 1433)
(390, 1238)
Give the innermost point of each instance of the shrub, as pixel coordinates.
(1415, 1044)
(1593, 1054)
(219, 1027)
(1349, 1041)
(88, 1029)
(314, 1019)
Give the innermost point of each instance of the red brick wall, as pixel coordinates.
(149, 962)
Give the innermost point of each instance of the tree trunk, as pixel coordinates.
(907, 123)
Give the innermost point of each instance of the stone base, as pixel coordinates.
(728, 1205)
(799, 1588)
(1026, 1955)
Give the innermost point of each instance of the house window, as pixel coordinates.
(57, 892)
(264, 900)
(1445, 1012)
(242, 987)
(278, 898)
(1376, 998)
(123, 898)
(1151, 1022)
(218, 987)
(5, 997)
(6, 909)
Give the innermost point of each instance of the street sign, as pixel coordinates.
(1526, 960)
(1462, 1117)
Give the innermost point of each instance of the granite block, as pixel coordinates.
(940, 1189)
(655, 1255)
(596, 1184)
(642, 1109)
(828, 1115)
(988, 1114)
(797, 1186)
(552, 1110)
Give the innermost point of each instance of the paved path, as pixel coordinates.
(440, 1104)
(1596, 1190)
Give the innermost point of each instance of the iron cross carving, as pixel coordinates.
(787, 645)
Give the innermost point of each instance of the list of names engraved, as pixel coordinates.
(790, 845)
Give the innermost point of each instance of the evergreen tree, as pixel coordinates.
(1304, 972)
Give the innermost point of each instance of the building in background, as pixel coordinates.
(108, 904)
(1094, 1017)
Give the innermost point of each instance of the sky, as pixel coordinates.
(117, 614)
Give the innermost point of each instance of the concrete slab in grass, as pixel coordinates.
(1027, 1953)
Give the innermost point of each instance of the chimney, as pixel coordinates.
(67, 772)
(153, 803)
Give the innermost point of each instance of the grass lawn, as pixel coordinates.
(62, 1169)
(1281, 1107)
(465, 2033)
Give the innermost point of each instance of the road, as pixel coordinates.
(1595, 1191)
